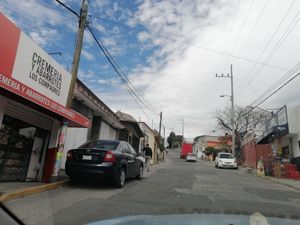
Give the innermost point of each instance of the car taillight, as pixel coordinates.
(69, 155)
(109, 157)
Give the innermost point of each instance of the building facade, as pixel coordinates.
(202, 142)
(33, 96)
(131, 132)
(282, 132)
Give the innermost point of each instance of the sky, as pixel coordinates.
(171, 51)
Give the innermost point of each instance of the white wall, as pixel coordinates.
(293, 114)
(74, 138)
(107, 132)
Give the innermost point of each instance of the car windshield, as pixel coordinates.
(100, 144)
(117, 108)
(226, 156)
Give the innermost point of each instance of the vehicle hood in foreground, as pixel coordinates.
(198, 219)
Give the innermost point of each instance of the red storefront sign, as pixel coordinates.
(28, 71)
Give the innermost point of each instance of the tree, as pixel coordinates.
(245, 118)
(171, 139)
(209, 150)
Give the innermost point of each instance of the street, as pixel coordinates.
(172, 187)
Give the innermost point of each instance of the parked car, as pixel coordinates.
(106, 159)
(191, 157)
(225, 160)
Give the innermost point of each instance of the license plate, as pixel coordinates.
(86, 157)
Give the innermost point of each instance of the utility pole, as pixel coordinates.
(76, 56)
(232, 107)
(160, 118)
(182, 127)
(164, 136)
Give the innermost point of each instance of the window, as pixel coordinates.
(226, 156)
(132, 151)
(103, 145)
(124, 148)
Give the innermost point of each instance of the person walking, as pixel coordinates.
(148, 156)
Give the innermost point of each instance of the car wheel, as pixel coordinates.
(141, 173)
(120, 179)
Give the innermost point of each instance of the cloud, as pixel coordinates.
(86, 75)
(33, 12)
(44, 36)
(180, 77)
(89, 56)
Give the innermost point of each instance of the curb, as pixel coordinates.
(278, 182)
(29, 191)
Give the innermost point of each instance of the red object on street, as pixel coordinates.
(185, 149)
(49, 164)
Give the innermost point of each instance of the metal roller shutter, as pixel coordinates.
(28, 115)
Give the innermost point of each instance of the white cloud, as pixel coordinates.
(86, 75)
(89, 56)
(44, 36)
(113, 82)
(181, 81)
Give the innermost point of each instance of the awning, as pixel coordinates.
(75, 119)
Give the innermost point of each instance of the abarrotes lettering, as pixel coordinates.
(45, 74)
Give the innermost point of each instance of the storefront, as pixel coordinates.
(282, 133)
(33, 95)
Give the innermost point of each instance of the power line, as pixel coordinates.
(229, 35)
(68, 8)
(274, 92)
(208, 49)
(56, 21)
(243, 26)
(131, 92)
(127, 81)
(278, 44)
(253, 28)
(278, 89)
(278, 82)
(267, 44)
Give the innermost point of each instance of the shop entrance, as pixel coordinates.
(22, 146)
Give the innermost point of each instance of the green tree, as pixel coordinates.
(210, 150)
(171, 140)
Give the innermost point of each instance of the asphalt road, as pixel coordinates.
(172, 187)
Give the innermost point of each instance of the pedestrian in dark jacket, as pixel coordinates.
(148, 156)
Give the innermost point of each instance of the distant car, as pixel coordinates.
(107, 159)
(225, 160)
(191, 157)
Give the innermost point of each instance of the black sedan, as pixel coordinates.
(108, 159)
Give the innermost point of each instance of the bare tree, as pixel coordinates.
(246, 118)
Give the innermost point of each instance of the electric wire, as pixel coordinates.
(131, 92)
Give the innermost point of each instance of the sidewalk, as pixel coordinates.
(13, 190)
(295, 184)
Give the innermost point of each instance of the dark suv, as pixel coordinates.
(109, 159)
